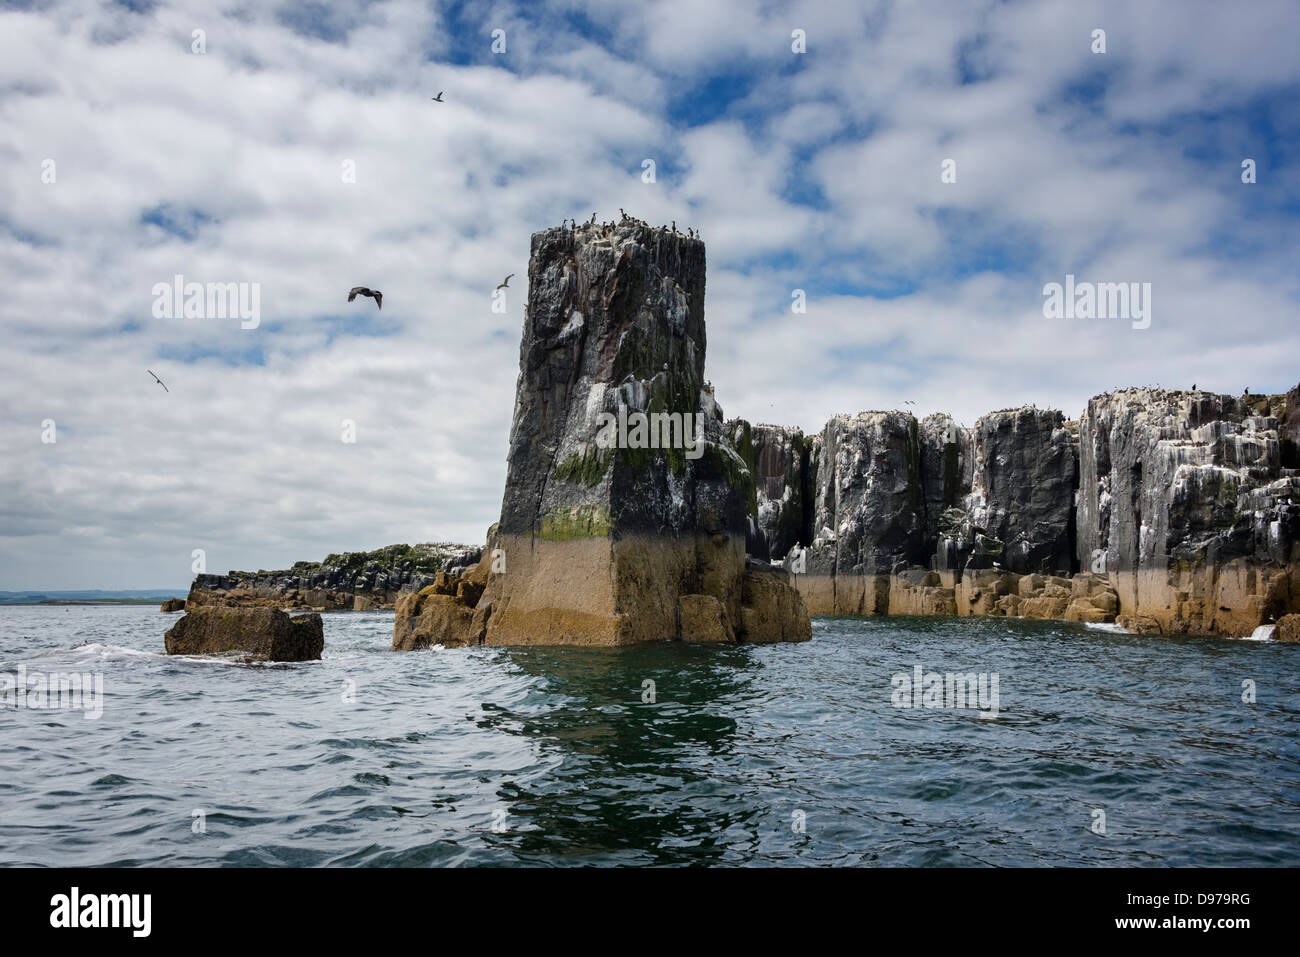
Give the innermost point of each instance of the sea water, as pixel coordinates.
(1106, 749)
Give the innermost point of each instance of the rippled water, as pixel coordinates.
(557, 750)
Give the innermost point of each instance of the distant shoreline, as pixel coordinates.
(89, 597)
(87, 601)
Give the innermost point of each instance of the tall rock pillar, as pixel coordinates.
(626, 506)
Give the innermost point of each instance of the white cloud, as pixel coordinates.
(823, 174)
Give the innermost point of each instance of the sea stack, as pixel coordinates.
(626, 507)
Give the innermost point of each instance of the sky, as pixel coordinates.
(133, 149)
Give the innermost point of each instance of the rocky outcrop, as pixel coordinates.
(627, 507)
(1288, 629)
(173, 604)
(771, 609)
(991, 592)
(255, 634)
(357, 581)
(445, 613)
(704, 618)
(1186, 505)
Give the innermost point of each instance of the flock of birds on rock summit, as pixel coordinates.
(605, 228)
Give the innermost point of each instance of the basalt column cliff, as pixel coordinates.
(1190, 503)
(1169, 512)
(626, 508)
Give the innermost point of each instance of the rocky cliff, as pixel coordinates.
(778, 459)
(1173, 512)
(627, 507)
(1186, 502)
(867, 512)
(1019, 511)
(351, 580)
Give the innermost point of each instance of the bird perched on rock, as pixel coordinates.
(505, 283)
(158, 380)
(374, 294)
(438, 98)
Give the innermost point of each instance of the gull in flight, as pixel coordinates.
(158, 380)
(438, 98)
(506, 283)
(374, 294)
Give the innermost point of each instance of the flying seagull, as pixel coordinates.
(158, 380)
(505, 284)
(374, 294)
(438, 98)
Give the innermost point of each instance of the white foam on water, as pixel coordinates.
(1262, 633)
(95, 649)
(1107, 626)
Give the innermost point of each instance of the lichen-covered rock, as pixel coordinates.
(1287, 628)
(917, 591)
(772, 609)
(1184, 506)
(1140, 624)
(704, 618)
(361, 581)
(445, 612)
(260, 634)
(426, 618)
(985, 591)
(601, 538)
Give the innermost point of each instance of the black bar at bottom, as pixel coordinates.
(947, 906)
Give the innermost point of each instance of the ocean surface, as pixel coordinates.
(1107, 749)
